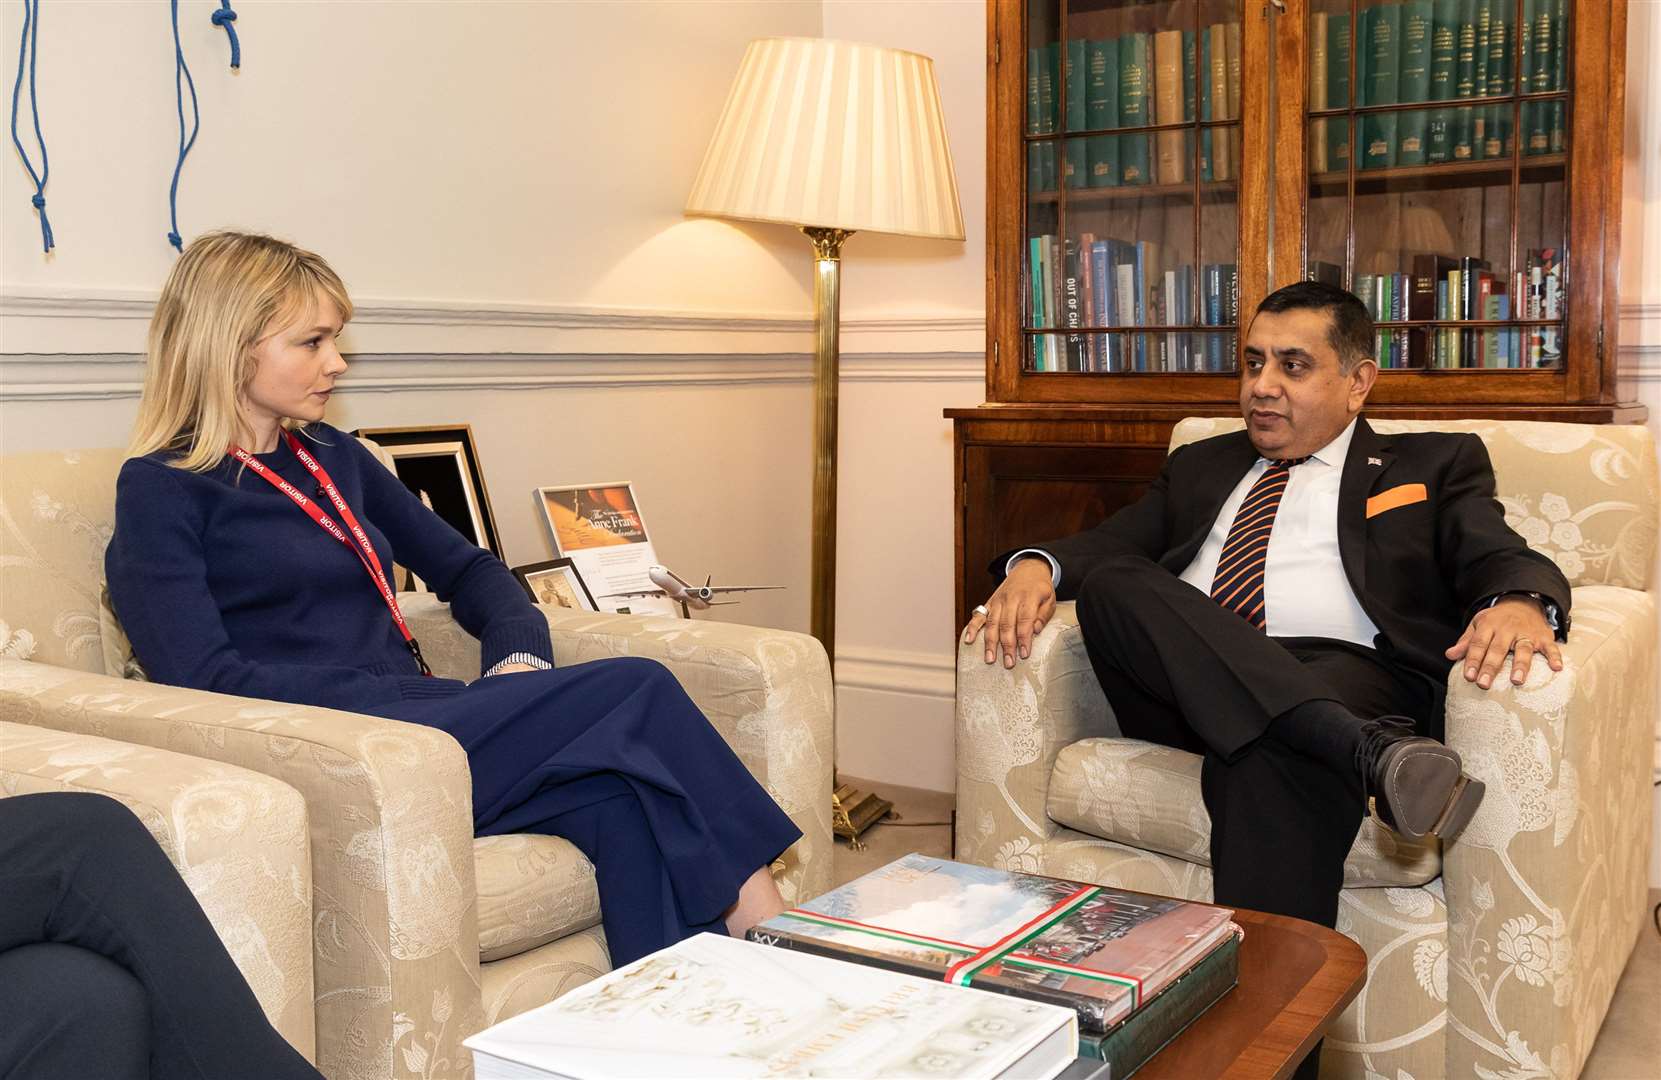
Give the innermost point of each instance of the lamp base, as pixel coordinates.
(853, 811)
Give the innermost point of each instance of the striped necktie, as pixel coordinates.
(1238, 583)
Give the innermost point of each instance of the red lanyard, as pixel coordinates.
(363, 548)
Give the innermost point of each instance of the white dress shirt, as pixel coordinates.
(1305, 591)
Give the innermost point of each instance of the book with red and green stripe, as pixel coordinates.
(1102, 951)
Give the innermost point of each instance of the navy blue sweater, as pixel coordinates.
(223, 583)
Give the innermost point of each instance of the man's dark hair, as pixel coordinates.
(1351, 331)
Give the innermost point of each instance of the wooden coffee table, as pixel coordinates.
(1295, 978)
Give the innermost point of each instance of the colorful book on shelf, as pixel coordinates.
(1072, 305)
(1413, 81)
(1135, 80)
(1099, 950)
(1429, 273)
(1101, 110)
(714, 1006)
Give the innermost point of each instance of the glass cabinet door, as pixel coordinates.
(1437, 175)
(1131, 240)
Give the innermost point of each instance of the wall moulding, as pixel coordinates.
(113, 376)
(84, 321)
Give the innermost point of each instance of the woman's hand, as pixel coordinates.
(507, 669)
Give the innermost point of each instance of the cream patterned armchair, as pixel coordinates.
(1494, 958)
(421, 935)
(238, 839)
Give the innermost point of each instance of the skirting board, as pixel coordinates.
(895, 717)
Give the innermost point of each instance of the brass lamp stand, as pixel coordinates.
(831, 137)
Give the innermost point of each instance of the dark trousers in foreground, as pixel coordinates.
(108, 967)
(1181, 671)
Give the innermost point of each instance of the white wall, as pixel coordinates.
(1640, 336)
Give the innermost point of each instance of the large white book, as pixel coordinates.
(713, 1006)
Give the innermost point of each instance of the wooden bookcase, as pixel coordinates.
(1055, 449)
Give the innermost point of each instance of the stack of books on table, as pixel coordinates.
(888, 976)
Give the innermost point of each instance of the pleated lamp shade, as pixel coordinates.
(832, 134)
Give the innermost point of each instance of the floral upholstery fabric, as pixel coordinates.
(396, 875)
(238, 839)
(532, 890)
(1148, 796)
(1503, 966)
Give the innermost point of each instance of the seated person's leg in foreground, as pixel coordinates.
(80, 870)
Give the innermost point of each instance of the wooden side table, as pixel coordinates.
(1295, 978)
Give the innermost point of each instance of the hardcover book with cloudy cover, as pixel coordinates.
(1098, 950)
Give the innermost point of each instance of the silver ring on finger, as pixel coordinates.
(980, 609)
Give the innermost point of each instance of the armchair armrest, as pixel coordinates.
(1011, 725)
(1546, 886)
(237, 838)
(768, 692)
(395, 922)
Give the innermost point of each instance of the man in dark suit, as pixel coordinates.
(1286, 600)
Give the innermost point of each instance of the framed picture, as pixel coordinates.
(556, 582)
(601, 529)
(441, 466)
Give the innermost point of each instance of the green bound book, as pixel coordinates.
(1381, 45)
(1536, 128)
(1190, 53)
(1034, 121)
(1075, 163)
(1484, 24)
(1495, 123)
(1444, 32)
(1560, 44)
(1075, 84)
(1035, 167)
(1101, 110)
(1462, 127)
(1413, 81)
(1542, 66)
(1559, 134)
(1135, 80)
(1338, 89)
(1046, 90)
(1499, 49)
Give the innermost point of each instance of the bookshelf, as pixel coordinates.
(1156, 167)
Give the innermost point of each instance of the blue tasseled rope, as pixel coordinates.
(26, 48)
(225, 17)
(181, 80)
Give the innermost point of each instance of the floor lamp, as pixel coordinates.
(832, 137)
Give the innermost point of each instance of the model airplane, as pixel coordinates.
(687, 595)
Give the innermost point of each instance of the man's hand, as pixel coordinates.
(1514, 625)
(1016, 612)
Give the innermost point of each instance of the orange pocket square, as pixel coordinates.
(1400, 495)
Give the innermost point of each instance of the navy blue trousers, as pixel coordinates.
(108, 967)
(614, 757)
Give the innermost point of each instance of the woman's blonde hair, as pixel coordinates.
(223, 293)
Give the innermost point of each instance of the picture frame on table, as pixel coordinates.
(556, 582)
(439, 463)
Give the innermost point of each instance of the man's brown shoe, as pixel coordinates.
(1413, 784)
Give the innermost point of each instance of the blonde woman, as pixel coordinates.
(252, 548)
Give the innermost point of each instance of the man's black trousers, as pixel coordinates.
(108, 967)
(1181, 671)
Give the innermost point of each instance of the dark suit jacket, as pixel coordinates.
(1420, 570)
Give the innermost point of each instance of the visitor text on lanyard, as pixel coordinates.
(358, 542)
